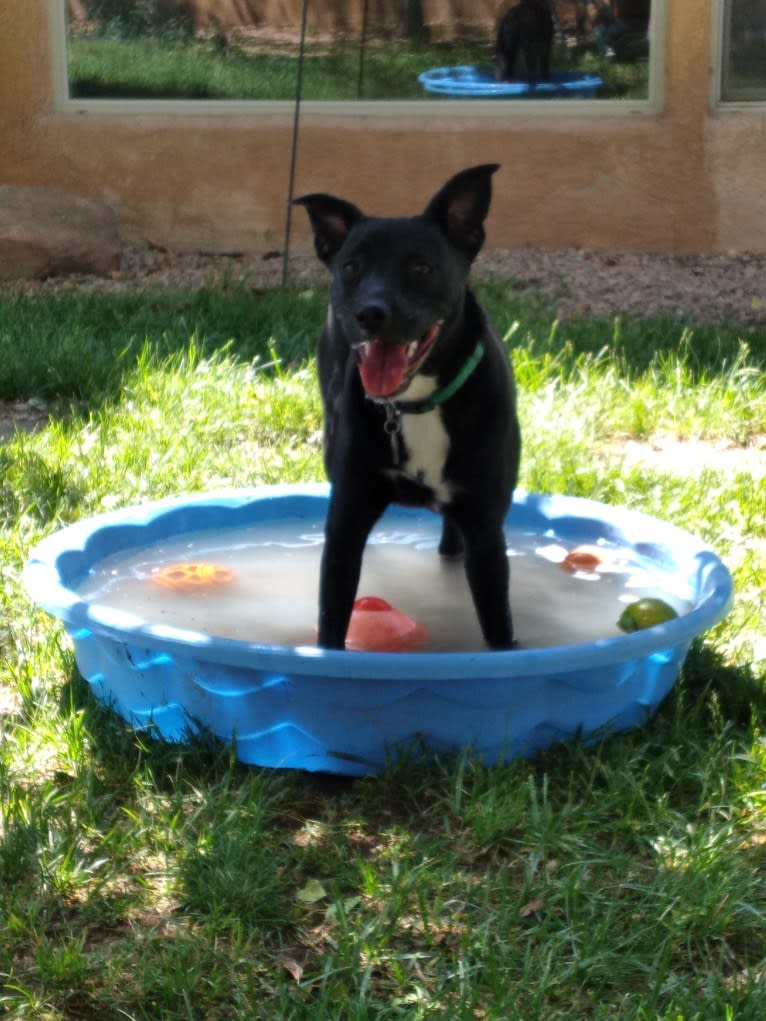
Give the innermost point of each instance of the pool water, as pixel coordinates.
(273, 595)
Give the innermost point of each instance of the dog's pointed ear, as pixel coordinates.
(461, 207)
(331, 221)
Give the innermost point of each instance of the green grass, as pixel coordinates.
(156, 68)
(156, 882)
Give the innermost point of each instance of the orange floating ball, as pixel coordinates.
(585, 558)
(376, 626)
(192, 577)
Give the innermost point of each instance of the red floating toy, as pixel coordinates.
(376, 626)
(585, 558)
(192, 577)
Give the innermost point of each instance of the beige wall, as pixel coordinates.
(690, 178)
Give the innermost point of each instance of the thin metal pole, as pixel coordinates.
(362, 47)
(294, 146)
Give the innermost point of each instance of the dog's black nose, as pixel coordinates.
(373, 316)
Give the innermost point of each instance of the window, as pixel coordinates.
(743, 51)
(368, 55)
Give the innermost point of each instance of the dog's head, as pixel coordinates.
(399, 283)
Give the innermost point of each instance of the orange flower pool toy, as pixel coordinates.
(376, 626)
(586, 558)
(192, 577)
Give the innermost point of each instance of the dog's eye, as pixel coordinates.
(351, 267)
(420, 268)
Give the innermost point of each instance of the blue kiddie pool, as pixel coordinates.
(467, 82)
(294, 705)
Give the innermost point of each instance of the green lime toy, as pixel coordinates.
(645, 613)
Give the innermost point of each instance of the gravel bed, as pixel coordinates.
(579, 281)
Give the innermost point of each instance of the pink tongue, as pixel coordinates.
(383, 368)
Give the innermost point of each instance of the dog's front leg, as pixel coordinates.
(487, 571)
(349, 522)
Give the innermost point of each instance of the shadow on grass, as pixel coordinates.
(739, 692)
(78, 347)
(202, 758)
(239, 830)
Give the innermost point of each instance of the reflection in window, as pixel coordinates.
(354, 49)
(743, 66)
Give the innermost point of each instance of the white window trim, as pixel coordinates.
(720, 35)
(317, 109)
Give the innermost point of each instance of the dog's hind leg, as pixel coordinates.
(545, 64)
(488, 574)
(486, 567)
(451, 543)
(533, 62)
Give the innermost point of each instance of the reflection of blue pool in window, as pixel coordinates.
(467, 82)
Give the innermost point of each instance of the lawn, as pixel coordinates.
(155, 882)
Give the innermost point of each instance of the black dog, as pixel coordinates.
(525, 28)
(419, 400)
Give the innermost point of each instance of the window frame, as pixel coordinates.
(315, 110)
(720, 39)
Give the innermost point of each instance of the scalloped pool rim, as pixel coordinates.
(468, 82)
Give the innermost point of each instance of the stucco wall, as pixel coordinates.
(690, 178)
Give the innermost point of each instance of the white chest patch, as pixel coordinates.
(426, 443)
(427, 446)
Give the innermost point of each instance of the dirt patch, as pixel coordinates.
(20, 416)
(689, 458)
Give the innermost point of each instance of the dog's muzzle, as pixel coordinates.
(386, 368)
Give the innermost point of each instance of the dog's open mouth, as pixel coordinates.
(386, 368)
